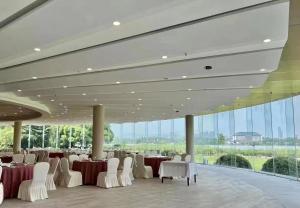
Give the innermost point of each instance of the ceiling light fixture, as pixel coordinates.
(37, 49)
(164, 57)
(250, 86)
(183, 77)
(140, 104)
(208, 68)
(19, 90)
(132, 92)
(84, 94)
(89, 69)
(52, 100)
(189, 89)
(267, 40)
(116, 23)
(262, 70)
(38, 95)
(65, 86)
(34, 77)
(140, 99)
(118, 82)
(188, 98)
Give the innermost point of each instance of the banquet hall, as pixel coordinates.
(136, 103)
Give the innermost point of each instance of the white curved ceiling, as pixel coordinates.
(76, 35)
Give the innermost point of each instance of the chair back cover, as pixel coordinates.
(133, 159)
(188, 158)
(112, 165)
(139, 160)
(72, 158)
(40, 172)
(30, 158)
(127, 164)
(83, 157)
(103, 155)
(53, 165)
(110, 155)
(18, 158)
(177, 158)
(65, 166)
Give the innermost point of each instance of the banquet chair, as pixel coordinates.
(109, 178)
(188, 158)
(123, 175)
(50, 185)
(110, 155)
(132, 165)
(35, 189)
(18, 158)
(30, 159)
(176, 158)
(83, 157)
(1, 188)
(45, 156)
(70, 178)
(103, 155)
(72, 158)
(140, 170)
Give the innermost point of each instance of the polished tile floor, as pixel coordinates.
(216, 187)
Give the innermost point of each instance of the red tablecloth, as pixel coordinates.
(56, 154)
(12, 177)
(154, 162)
(6, 159)
(90, 170)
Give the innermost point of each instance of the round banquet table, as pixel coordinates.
(89, 170)
(154, 162)
(12, 177)
(6, 159)
(56, 154)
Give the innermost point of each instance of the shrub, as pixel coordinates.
(234, 160)
(283, 165)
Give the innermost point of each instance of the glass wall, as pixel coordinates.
(261, 138)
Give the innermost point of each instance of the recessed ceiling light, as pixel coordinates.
(95, 99)
(83, 94)
(52, 100)
(19, 90)
(140, 104)
(262, 70)
(60, 103)
(164, 57)
(89, 69)
(140, 99)
(132, 112)
(189, 89)
(116, 23)
(250, 86)
(65, 86)
(132, 92)
(34, 77)
(183, 77)
(267, 40)
(118, 82)
(100, 104)
(37, 49)
(38, 95)
(208, 68)
(188, 98)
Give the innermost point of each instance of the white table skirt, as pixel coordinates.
(178, 169)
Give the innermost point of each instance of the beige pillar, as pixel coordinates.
(98, 131)
(17, 137)
(189, 135)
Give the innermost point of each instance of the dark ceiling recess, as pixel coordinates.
(208, 67)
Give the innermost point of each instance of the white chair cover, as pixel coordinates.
(109, 179)
(70, 178)
(18, 158)
(50, 185)
(35, 189)
(1, 187)
(140, 170)
(188, 158)
(83, 157)
(132, 155)
(104, 155)
(123, 176)
(177, 158)
(72, 158)
(30, 159)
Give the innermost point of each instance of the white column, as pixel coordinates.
(17, 137)
(98, 131)
(29, 135)
(189, 135)
(43, 142)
